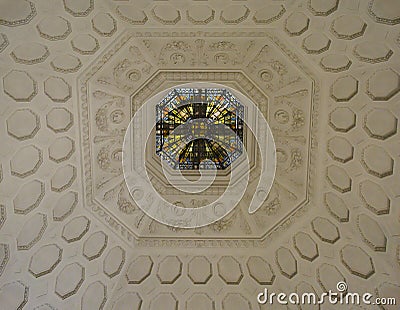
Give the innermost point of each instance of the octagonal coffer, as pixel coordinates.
(208, 122)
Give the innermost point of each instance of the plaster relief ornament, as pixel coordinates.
(199, 130)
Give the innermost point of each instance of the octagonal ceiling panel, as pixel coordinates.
(276, 80)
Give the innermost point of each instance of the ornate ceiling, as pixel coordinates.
(324, 73)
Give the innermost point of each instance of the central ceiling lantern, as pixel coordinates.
(213, 115)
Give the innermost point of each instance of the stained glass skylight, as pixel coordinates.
(213, 115)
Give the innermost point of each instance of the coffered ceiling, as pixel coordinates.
(325, 75)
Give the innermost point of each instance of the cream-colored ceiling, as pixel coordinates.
(324, 72)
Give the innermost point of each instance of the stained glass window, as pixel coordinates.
(213, 115)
